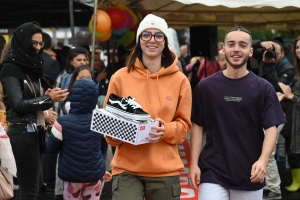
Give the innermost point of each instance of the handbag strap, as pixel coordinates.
(31, 85)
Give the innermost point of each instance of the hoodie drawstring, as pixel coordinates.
(148, 90)
(157, 88)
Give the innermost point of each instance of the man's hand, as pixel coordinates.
(268, 45)
(258, 171)
(194, 176)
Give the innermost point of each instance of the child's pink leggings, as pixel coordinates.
(84, 191)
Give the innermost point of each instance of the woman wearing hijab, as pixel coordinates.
(26, 93)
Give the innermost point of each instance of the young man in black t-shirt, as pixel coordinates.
(233, 107)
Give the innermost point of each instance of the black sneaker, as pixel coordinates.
(267, 194)
(126, 107)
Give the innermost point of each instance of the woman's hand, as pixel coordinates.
(50, 116)
(107, 176)
(286, 90)
(155, 137)
(280, 96)
(101, 76)
(57, 94)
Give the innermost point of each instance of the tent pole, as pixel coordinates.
(72, 21)
(93, 36)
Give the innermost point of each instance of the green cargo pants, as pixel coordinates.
(126, 186)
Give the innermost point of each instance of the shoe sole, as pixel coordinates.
(126, 114)
(270, 198)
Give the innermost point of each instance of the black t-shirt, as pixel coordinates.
(233, 113)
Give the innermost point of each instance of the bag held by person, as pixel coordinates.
(6, 187)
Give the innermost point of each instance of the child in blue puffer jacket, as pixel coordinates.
(80, 165)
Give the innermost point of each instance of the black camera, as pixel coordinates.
(269, 55)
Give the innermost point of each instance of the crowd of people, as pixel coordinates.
(240, 110)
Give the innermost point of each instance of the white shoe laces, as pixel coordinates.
(131, 102)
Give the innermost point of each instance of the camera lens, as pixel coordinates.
(269, 55)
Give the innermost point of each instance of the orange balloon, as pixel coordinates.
(105, 37)
(103, 23)
(96, 34)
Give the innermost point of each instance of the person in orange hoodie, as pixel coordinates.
(152, 170)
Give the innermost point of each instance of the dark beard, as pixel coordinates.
(244, 61)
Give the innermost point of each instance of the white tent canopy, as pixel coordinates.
(245, 3)
(258, 14)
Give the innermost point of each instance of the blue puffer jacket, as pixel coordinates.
(80, 158)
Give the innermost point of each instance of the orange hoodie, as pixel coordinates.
(165, 94)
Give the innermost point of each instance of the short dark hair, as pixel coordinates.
(278, 38)
(280, 44)
(239, 28)
(47, 41)
(71, 55)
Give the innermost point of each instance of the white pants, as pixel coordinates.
(272, 177)
(211, 191)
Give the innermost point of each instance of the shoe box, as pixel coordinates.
(116, 126)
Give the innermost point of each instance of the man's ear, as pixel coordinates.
(251, 52)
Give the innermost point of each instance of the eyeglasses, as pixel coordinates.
(158, 37)
(36, 43)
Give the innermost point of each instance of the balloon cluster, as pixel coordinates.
(118, 22)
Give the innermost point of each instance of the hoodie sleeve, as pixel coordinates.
(175, 131)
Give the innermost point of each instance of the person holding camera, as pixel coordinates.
(275, 68)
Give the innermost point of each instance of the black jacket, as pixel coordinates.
(284, 72)
(21, 96)
(20, 101)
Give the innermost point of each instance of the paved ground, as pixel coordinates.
(285, 175)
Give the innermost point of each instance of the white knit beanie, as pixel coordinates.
(152, 21)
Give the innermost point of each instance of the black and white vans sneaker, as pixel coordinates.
(126, 107)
